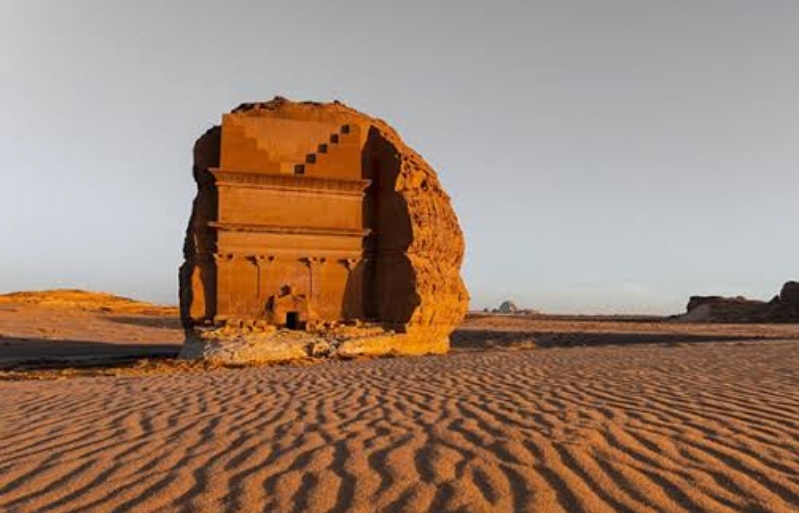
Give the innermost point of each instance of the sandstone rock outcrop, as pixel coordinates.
(789, 295)
(311, 217)
(782, 308)
(508, 307)
(722, 309)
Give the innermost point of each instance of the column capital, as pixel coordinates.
(350, 263)
(312, 261)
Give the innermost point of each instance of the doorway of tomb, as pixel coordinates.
(293, 320)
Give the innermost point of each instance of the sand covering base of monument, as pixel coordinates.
(400, 291)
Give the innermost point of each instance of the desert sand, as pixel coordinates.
(74, 325)
(602, 415)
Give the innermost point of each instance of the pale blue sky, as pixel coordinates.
(602, 155)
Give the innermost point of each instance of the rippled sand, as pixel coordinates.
(693, 427)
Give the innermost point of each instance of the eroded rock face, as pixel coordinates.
(314, 215)
(789, 295)
(782, 308)
(723, 309)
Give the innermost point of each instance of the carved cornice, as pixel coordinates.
(293, 230)
(290, 182)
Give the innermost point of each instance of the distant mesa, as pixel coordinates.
(508, 307)
(316, 231)
(782, 308)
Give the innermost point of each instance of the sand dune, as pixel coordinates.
(75, 324)
(700, 427)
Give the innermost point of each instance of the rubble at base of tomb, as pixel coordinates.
(248, 342)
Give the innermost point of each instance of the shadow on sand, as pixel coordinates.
(26, 351)
(167, 323)
(488, 339)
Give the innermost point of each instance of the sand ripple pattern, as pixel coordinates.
(707, 427)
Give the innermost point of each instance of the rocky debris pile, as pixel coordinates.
(247, 342)
(782, 308)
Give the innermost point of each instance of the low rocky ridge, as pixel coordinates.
(65, 328)
(781, 308)
(85, 300)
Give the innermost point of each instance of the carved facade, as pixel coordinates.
(289, 227)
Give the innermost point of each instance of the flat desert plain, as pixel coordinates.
(526, 414)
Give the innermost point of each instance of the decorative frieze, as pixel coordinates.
(290, 182)
(288, 230)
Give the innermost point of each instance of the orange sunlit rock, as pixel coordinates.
(313, 217)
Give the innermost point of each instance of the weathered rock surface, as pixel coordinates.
(782, 308)
(382, 246)
(247, 342)
(722, 309)
(789, 295)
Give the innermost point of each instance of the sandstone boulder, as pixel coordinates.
(313, 215)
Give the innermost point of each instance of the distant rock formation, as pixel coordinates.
(782, 308)
(722, 309)
(310, 217)
(508, 307)
(789, 295)
(85, 300)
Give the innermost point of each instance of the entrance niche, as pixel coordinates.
(293, 320)
(287, 308)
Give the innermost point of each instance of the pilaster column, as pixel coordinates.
(313, 263)
(262, 262)
(222, 295)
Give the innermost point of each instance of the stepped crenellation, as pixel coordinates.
(328, 153)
